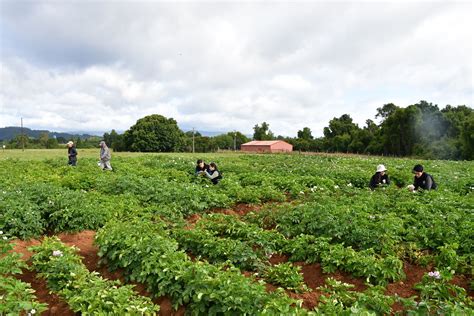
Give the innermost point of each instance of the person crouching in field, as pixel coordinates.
(422, 180)
(104, 156)
(380, 178)
(201, 167)
(71, 153)
(213, 173)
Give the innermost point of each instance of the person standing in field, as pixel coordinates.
(201, 167)
(380, 178)
(104, 156)
(71, 153)
(213, 173)
(422, 180)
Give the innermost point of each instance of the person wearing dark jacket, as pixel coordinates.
(72, 153)
(213, 173)
(201, 167)
(422, 179)
(380, 178)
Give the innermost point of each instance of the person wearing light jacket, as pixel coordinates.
(213, 173)
(104, 156)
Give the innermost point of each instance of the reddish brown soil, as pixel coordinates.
(84, 241)
(277, 259)
(240, 209)
(312, 273)
(55, 305)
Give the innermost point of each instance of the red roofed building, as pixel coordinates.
(267, 146)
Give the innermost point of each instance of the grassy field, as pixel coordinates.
(40, 154)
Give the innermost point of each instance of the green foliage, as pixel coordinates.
(149, 255)
(327, 215)
(154, 133)
(16, 297)
(338, 299)
(262, 132)
(439, 297)
(86, 292)
(286, 275)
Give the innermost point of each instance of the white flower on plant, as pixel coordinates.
(57, 253)
(349, 185)
(1, 232)
(33, 311)
(301, 192)
(435, 275)
(5, 237)
(336, 187)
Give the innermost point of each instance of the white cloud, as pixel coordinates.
(223, 66)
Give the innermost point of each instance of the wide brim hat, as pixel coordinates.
(381, 168)
(70, 142)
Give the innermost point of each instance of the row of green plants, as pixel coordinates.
(213, 233)
(16, 297)
(33, 210)
(205, 244)
(437, 297)
(149, 255)
(384, 221)
(85, 292)
(334, 219)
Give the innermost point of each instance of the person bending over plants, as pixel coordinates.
(380, 178)
(422, 180)
(201, 167)
(213, 173)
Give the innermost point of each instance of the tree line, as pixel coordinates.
(421, 130)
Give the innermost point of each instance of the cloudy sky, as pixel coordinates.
(220, 66)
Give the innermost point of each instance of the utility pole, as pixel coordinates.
(193, 140)
(235, 140)
(22, 137)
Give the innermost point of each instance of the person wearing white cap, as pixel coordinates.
(71, 153)
(380, 178)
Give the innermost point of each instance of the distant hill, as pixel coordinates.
(10, 132)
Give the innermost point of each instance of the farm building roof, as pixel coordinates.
(262, 142)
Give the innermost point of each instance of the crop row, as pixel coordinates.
(16, 297)
(85, 292)
(148, 255)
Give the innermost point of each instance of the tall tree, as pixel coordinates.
(400, 131)
(154, 133)
(305, 134)
(339, 133)
(386, 110)
(262, 132)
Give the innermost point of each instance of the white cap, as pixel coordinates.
(381, 168)
(70, 142)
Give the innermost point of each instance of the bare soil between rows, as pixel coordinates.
(313, 274)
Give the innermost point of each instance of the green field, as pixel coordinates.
(213, 249)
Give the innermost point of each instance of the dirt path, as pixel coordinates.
(312, 273)
(84, 241)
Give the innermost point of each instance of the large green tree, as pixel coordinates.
(339, 134)
(262, 132)
(154, 133)
(114, 140)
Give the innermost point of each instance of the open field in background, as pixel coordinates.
(282, 234)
